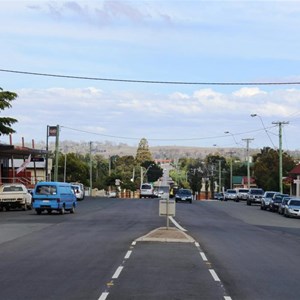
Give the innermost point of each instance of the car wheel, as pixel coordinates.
(72, 210)
(38, 211)
(62, 211)
(24, 207)
(49, 211)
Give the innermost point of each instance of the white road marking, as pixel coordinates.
(203, 256)
(214, 275)
(176, 224)
(128, 254)
(133, 243)
(103, 296)
(117, 273)
(227, 298)
(197, 244)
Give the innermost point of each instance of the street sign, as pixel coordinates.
(167, 208)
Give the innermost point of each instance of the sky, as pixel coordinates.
(185, 73)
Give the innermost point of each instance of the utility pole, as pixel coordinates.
(248, 161)
(220, 178)
(56, 154)
(280, 152)
(231, 153)
(91, 169)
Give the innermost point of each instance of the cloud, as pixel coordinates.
(248, 92)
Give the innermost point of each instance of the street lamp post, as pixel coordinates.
(228, 132)
(280, 152)
(91, 169)
(65, 167)
(265, 129)
(248, 162)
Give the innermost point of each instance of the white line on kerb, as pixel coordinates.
(176, 224)
(103, 296)
(128, 254)
(117, 273)
(214, 275)
(203, 256)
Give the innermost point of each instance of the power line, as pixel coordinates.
(147, 81)
(158, 139)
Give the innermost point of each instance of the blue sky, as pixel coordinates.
(183, 41)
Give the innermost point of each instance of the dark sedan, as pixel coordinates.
(184, 195)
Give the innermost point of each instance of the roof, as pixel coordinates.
(8, 151)
(296, 170)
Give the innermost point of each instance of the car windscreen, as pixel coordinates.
(231, 191)
(295, 202)
(12, 188)
(46, 190)
(146, 187)
(184, 192)
(257, 192)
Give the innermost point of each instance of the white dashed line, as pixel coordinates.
(214, 275)
(227, 298)
(197, 244)
(133, 243)
(103, 296)
(117, 273)
(176, 224)
(128, 254)
(203, 256)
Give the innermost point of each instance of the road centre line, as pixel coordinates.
(214, 275)
(103, 296)
(117, 273)
(203, 256)
(128, 254)
(176, 224)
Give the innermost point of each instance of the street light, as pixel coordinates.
(265, 129)
(228, 132)
(144, 174)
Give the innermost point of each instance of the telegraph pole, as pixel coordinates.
(280, 152)
(91, 169)
(248, 161)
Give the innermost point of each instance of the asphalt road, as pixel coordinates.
(240, 252)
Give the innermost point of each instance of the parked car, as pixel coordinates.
(161, 190)
(292, 208)
(184, 195)
(78, 191)
(266, 200)
(147, 190)
(242, 193)
(58, 196)
(218, 196)
(276, 200)
(230, 194)
(15, 195)
(254, 196)
(283, 204)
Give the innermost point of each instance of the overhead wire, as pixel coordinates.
(147, 81)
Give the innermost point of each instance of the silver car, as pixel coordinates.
(266, 200)
(292, 208)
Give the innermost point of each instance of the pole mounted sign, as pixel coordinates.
(52, 130)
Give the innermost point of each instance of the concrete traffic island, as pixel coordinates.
(164, 234)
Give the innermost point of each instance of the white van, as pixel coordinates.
(147, 190)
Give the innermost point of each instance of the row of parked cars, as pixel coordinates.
(46, 196)
(273, 201)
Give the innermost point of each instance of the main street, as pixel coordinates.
(240, 252)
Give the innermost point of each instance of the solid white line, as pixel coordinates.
(128, 254)
(197, 244)
(203, 256)
(227, 298)
(117, 273)
(103, 296)
(133, 243)
(214, 275)
(176, 224)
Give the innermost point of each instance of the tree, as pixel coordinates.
(6, 122)
(143, 153)
(266, 168)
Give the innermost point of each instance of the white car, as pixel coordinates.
(78, 191)
(230, 194)
(292, 208)
(147, 190)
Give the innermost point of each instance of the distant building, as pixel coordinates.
(242, 182)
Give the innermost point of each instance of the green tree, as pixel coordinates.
(266, 168)
(6, 122)
(143, 153)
